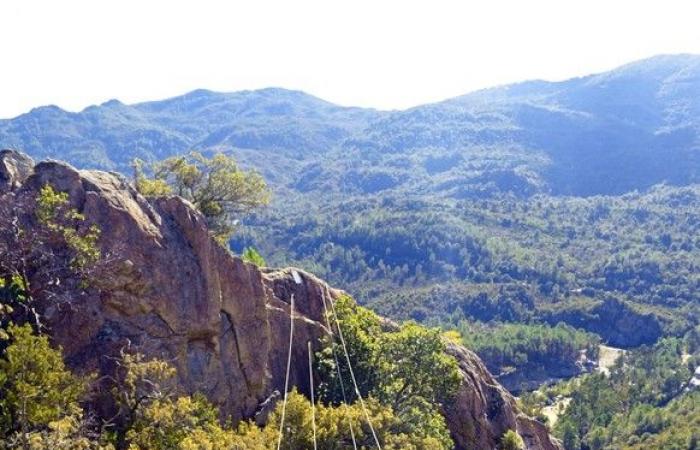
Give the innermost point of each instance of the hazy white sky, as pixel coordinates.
(380, 53)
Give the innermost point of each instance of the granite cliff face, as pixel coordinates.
(483, 410)
(223, 323)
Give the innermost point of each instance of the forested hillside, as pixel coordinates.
(547, 258)
(536, 203)
(646, 402)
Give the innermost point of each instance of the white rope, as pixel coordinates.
(352, 375)
(286, 378)
(313, 401)
(337, 368)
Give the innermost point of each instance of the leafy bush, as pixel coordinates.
(36, 389)
(252, 256)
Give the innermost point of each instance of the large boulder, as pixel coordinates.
(15, 167)
(223, 323)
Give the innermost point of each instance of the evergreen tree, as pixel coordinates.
(36, 389)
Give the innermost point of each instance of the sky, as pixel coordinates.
(382, 53)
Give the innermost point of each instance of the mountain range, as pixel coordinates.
(610, 133)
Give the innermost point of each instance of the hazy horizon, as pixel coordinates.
(390, 55)
(312, 94)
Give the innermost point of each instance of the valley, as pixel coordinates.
(607, 356)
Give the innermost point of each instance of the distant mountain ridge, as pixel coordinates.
(610, 133)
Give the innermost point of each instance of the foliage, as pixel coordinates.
(333, 428)
(414, 369)
(361, 330)
(405, 369)
(252, 256)
(673, 427)
(532, 403)
(138, 383)
(54, 213)
(184, 423)
(217, 187)
(67, 433)
(170, 422)
(36, 389)
(48, 251)
(500, 258)
(511, 440)
(528, 347)
(643, 400)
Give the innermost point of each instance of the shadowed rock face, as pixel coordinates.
(618, 323)
(223, 323)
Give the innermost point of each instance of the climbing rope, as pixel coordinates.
(286, 378)
(297, 279)
(313, 401)
(337, 368)
(352, 376)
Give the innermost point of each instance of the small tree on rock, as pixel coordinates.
(511, 440)
(48, 252)
(252, 256)
(217, 186)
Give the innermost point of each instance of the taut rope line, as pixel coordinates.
(286, 378)
(352, 376)
(313, 401)
(337, 368)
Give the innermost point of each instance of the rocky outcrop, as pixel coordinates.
(483, 410)
(222, 322)
(14, 167)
